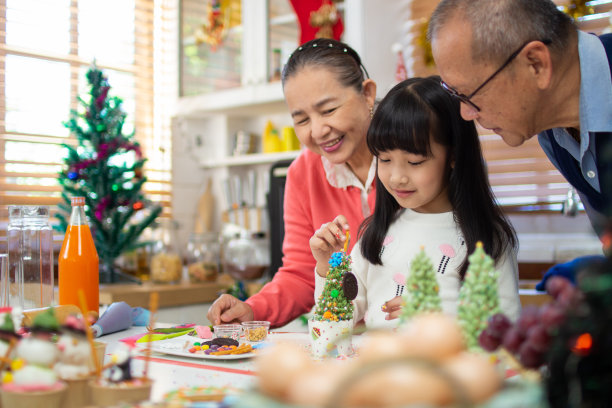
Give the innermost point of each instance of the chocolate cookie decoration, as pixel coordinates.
(221, 341)
(349, 285)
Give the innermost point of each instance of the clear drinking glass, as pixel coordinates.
(30, 257)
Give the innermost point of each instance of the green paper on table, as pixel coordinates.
(163, 334)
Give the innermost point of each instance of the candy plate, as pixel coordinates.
(179, 346)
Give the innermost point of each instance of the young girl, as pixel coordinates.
(432, 191)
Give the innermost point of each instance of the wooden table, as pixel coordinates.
(176, 294)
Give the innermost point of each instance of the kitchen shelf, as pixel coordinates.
(249, 159)
(250, 100)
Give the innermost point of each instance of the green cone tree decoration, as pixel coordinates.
(422, 290)
(478, 296)
(335, 303)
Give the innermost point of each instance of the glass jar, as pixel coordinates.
(202, 257)
(166, 263)
(247, 256)
(30, 258)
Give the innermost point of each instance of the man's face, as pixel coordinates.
(506, 101)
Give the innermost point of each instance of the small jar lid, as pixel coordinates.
(77, 201)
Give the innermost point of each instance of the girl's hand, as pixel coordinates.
(393, 308)
(326, 240)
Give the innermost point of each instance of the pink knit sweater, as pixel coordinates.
(309, 202)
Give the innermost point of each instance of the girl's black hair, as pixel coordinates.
(412, 112)
(334, 55)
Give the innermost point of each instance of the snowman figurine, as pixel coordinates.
(121, 370)
(7, 333)
(36, 354)
(74, 350)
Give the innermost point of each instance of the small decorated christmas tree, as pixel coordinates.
(478, 297)
(105, 167)
(335, 304)
(421, 288)
(332, 322)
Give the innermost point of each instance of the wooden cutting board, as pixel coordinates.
(204, 212)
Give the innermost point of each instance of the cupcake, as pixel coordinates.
(118, 385)
(32, 382)
(73, 366)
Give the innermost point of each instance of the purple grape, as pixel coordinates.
(487, 341)
(513, 340)
(551, 316)
(527, 319)
(556, 284)
(529, 356)
(499, 325)
(568, 296)
(538, 338)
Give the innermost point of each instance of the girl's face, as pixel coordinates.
(416, 182)
(330, 119)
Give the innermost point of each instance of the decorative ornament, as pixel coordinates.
(138, 173)
(73, 175)
(318, 19)
(138, 205)
(423, 42)
(578, 8)
(221, 15)
(324, 20)
(400, 69)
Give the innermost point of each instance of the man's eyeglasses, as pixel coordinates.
(467, 98)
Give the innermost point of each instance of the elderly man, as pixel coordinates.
(521, 68)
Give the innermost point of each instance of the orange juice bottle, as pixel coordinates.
(78, 261)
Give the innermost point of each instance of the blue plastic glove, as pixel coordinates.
(569, 269)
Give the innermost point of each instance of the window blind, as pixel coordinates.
(46, 47)
(522, 178)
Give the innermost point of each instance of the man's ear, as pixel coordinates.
(538, 58)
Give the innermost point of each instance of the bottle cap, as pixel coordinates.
(77, 201)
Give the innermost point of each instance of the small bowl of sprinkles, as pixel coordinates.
(230, 331)
(255, 331)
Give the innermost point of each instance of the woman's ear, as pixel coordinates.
(369, 91)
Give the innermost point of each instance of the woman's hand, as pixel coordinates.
(326, 240)
(228, 309)
(393, 308)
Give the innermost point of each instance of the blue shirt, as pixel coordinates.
(595, 109)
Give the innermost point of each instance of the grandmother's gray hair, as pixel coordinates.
(501, 26)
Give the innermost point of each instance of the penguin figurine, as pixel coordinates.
(122, 365)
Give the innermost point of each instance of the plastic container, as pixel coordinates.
(255, 331)
(78, 262)
(231, 331)
(166, 262)
(28, 280)
(202, 257)
(247, 257)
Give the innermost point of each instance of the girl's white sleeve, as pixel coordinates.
(507, 285)
(360, 268)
